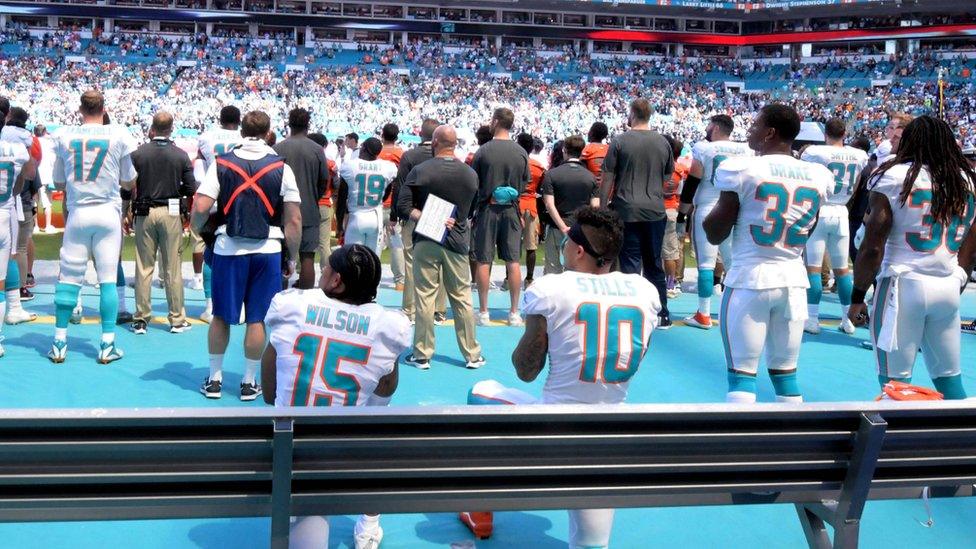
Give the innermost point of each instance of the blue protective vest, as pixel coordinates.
(250, 202)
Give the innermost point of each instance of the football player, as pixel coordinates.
(595, 325)
(334, 346)
(364, 181)
(772, 201)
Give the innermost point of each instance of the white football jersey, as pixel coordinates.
(779, 199)
(711, 154)
(367, 181)
(217, 142)
(332, 353)
(13, 156)
(91, 160)
(12, 164)
(916, 240)
(844, 162)
(599, 328)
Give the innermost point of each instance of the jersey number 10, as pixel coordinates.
(597, 357)
(93, 150)
(326, 363)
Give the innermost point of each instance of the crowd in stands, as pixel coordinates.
(363, 98)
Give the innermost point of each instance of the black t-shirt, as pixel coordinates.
(500, 163)
(410, 159)
(307, 160)
(571, 186)
(640, 161)
(451, 180)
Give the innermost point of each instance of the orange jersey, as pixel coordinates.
(469, 159)
(592, 158)
(393, 154)
(527, 200)
(326, 199)
(672, 188)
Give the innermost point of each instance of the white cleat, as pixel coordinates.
(846, 326)
(58, 352)
(812, 326)
(109, 353)
(367, 535)
(20, 316)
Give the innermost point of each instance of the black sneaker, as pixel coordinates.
(124, 317)
(180, 328)
(250, 391)
(418, 363)
(139, 327)
(210, 388)
(25, 294)
(30, 281)
(664, 323)
(440, 318)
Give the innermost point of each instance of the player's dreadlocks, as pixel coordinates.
(602, 232)
(928, 141)
(360, 270)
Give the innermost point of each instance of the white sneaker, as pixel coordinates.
(515, 319)
(482, 319)
(19, 316)
(207, 314)
(367, 535)
(812, 326)
(196, 283)
(846, 326)
(49, 230)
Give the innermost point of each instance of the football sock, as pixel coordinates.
(742, 383)
(13, 286)
(815, 291)
(784, 384)
(120, 287)
(950, 387)
(207, 274)
(3, 307)
(706, 282)
(845, 286)
(65, 297)
(108, 306)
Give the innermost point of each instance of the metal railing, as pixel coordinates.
(827, 459)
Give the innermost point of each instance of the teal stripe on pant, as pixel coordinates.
(880, 297)
(724, 327)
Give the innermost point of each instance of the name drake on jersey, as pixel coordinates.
(601, 286)
(789, 171)
(346, 321)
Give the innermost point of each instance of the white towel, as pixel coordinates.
(888, 337)
(797, 310)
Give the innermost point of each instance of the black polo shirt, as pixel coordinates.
(164, 170)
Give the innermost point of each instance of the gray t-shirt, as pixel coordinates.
(640, 161)
(571, 185)
(307, 160)
(451, 180)
(500, 163)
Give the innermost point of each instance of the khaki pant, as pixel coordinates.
(409, 294)
(433, 263)
(554, 240)
(25, 232)
(162, 233)
(325, 234)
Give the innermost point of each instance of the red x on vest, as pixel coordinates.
(250, 182)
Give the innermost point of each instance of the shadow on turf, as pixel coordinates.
(186, 377)
(512, 529)
(41, 342)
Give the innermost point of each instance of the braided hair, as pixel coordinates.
(928, 142)
(360, 270)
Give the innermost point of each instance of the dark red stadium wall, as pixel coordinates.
(203, 16)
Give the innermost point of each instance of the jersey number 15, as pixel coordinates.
(324, 364)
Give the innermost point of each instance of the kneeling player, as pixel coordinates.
(595, 325)
(333, 346)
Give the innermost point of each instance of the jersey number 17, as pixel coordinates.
(91, 150)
